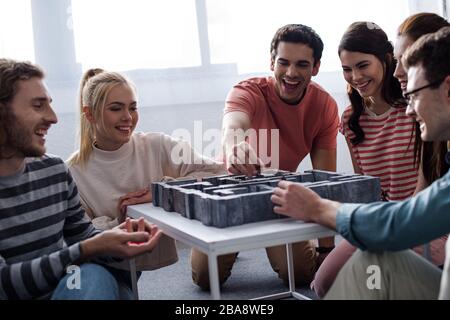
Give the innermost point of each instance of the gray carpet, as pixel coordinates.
(251, 277)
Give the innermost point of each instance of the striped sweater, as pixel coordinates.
(41, 225)
(387, 150)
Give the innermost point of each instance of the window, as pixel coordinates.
(16, 33)
(136, 34)
(241, 31)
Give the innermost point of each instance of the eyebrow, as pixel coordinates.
(362, 62)
(42, 99)
(299, 61)
(358, 64)
(120, 103)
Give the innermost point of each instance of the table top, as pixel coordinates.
(212, 240)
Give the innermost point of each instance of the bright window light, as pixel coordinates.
(241, 31)
(16, 32)
(136, 34)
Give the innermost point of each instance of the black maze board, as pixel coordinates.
(231, 200)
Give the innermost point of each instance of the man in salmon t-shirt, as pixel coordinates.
(291, 116)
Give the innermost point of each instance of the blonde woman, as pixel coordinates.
(115, 165)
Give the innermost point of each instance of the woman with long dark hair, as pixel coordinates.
(379, 134)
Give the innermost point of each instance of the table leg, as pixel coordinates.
(213, 276)
(290, 263)
(134, 286)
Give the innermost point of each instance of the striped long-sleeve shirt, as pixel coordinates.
(387, 150)
(41, 225)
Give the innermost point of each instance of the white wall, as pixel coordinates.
(169, 98)
(163, 106)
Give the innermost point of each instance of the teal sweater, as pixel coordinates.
(392, 226)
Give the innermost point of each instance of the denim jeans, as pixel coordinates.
(97, 282)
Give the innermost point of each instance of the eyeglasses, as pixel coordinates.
(409, 96)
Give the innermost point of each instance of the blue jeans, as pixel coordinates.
(97, 282)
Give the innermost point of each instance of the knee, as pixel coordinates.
(99, 282)
(321, 284)
(200, 269)
(304, 255)
(90, 282)
(330, 267)
(201, 279)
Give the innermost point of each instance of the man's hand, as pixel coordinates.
(133, 225)
(136, 197)
(121, 243)
(294, 200)
(242, 159)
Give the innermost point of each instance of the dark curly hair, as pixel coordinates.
(297, 33)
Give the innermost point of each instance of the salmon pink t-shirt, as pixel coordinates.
(312, 122)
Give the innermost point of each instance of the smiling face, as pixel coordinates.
(364, 72)
(118, 118)
(402, 43)
(30, 118)
(429, 107)
(293, 67)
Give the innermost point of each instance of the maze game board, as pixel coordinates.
(231, 200)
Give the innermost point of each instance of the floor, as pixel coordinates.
(252, 276)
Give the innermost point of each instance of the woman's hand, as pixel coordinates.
(136, 197)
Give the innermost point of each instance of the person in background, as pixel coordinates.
(431, 154)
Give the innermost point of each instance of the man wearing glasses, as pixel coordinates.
(385, 229)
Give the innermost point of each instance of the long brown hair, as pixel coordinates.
(367, 37)
(432, 154)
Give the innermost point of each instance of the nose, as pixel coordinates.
(399, 71)
(410, 110)
(356, 75)
(126, 115)
(291, 71)
(50, 115)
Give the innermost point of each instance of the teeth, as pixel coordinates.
(41, 132)
(291, 82)
(422, 126)
(124, 128)
(362, 85)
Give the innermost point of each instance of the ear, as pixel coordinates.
(272, 64)
(88, 114)
(447, 85)
(316, 68)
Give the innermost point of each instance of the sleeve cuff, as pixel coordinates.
(75, 252)
(343, 219)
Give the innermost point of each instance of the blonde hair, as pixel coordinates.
(94, 89)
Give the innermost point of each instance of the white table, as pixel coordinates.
(217, 241)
